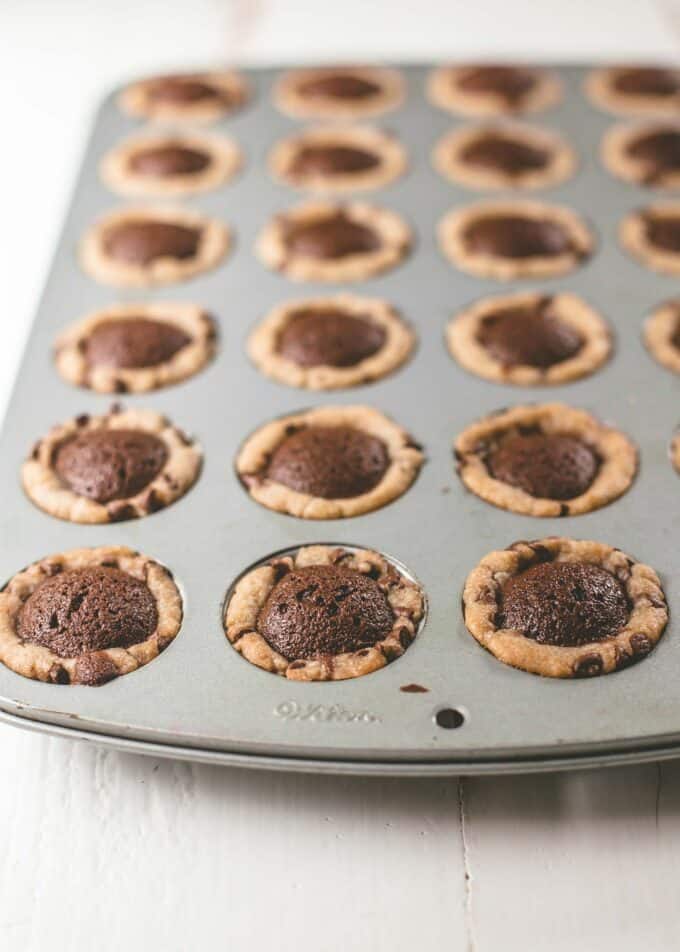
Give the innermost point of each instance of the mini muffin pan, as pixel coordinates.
(200, 699)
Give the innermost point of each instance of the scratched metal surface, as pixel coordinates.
(200, 694)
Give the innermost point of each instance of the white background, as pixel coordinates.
(103, 851)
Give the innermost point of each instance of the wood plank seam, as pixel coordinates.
(467, 871)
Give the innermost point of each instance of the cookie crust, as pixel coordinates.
(386, 148)
(675, 451)
(290, 99)
(599, 88)
(224, 162)
(616, 453)
(660, 328)
(41, 664)
(44, 487)
(213, 245)
(616, 159)
(453, 245)
(405, 598)
(447, 158)
(405, 460)
(648, 615)
(633, 237)
(71, 361)
(135, 99)
(443, 90)
(394, 233)
(397, 348)
(463, 330)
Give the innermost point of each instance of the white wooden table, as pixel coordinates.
(104, 851)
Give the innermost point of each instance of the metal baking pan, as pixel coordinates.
(200, 699)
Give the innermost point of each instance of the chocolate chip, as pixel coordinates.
(153, 501)
(588, 666)
(540, 553)
(622, 658)
(487, 595)
(94, 668)
(59, 675)
(405, 637)
(641, 645)
(121, 511)
(281, 567)
(50, 568)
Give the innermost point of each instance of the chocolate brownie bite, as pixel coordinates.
(545, 460)
(334, 337)
(323, 241)
(652, 235)
(530, 339)
(636, 89)
(662, 334)
(172, 164)
(338, 92)
(328, 463)
(324, 613)
(509, 240)
(148, 246)
(493, 89)
(330, 343)
(134, 348)
(644, 153)
(564, 608)
(135, 342)
(336, 159)
(87, 616)
(508, 155)
(186, 97)
(123, 465)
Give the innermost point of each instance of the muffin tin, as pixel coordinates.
(200, 699)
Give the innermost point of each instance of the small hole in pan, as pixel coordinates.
(449, 718)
